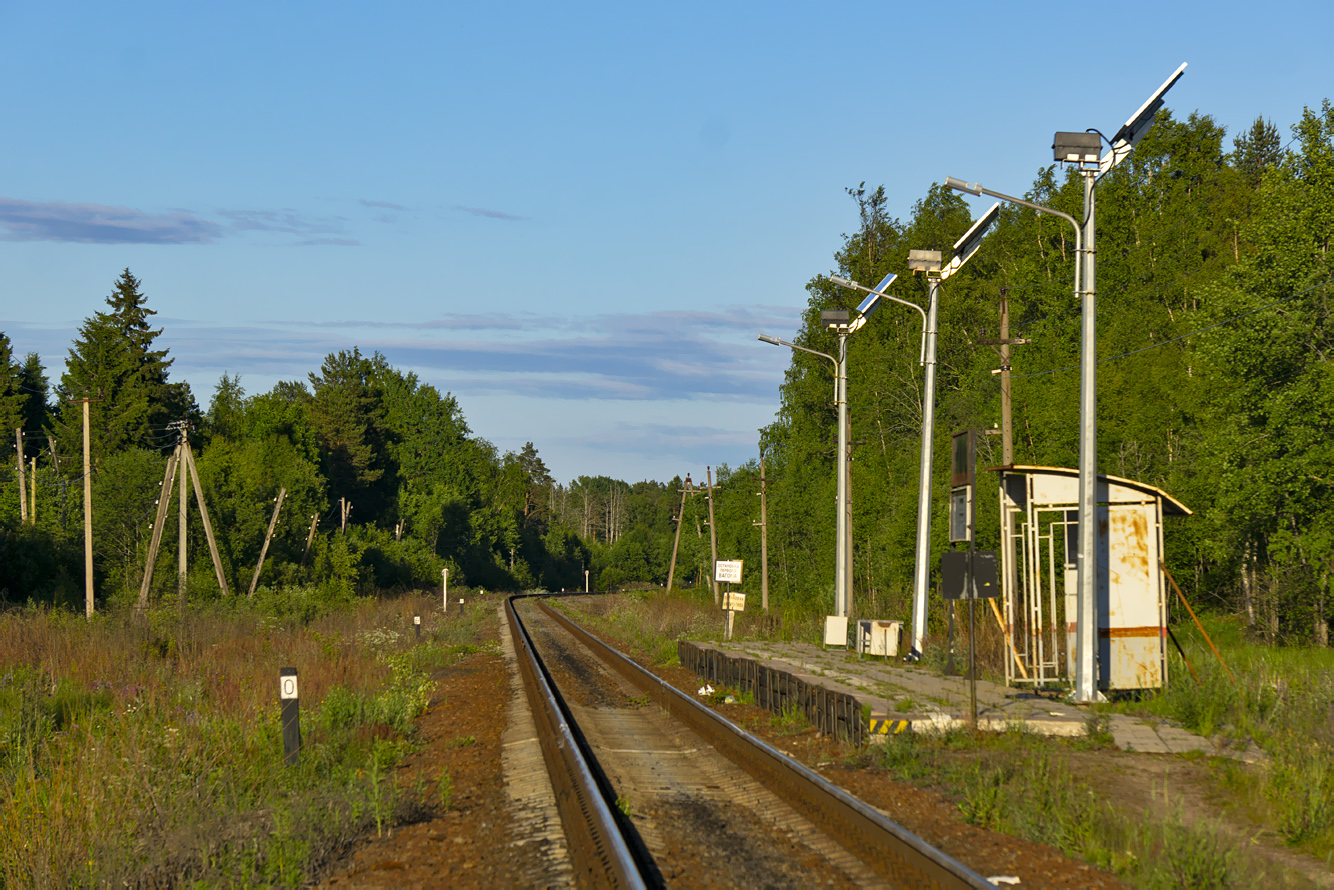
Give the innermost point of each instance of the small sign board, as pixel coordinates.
(962, 458)
(954, 575)
(727, 570)
(961, 515)
(734, 602)
(287, 683)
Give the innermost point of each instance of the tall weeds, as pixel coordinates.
(146, 749)
(1283, 699)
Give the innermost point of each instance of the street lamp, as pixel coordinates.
(1083, 150)
(842, 323)
(929, 261)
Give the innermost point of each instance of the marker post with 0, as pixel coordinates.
(291, 714)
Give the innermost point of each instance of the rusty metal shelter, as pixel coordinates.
(1039, 552)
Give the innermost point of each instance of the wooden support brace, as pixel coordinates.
(168, 479)
(1177, 588)
(203, 515)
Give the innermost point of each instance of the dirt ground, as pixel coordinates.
(472, 844)
(469, 845)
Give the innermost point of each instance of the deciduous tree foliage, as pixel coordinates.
(1215, 383)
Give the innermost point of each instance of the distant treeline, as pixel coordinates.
(1215, 384)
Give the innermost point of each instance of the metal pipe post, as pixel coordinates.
(841, 534)
(922, 564)
(1086, 679)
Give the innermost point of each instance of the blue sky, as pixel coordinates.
(575, 217)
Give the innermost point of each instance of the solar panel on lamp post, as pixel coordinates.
(841, 322)
(1079, 149)
(1122, 143)
(929, 262)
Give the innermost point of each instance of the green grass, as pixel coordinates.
(154, 756)
(1282, 700)
(790, 720)
(1023, 785)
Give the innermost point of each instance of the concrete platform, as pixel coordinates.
(904, 697)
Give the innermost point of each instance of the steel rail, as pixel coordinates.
(884, 846)
(597, 847)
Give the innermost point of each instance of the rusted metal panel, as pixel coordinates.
(1130, 631)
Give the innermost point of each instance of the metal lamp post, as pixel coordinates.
(929, 261)
(1084, 149)
(840, 321)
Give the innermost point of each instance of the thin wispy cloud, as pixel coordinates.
(654, 356)
(489, 214)
(335, 242)
(284, 220)
(86, 223)
(381, 205)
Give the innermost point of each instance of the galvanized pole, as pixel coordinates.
(1086, 680)
(922, 564)
(841, 533)
(1007, 427)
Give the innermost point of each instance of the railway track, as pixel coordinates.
(653, 788)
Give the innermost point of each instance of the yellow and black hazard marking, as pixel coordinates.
(881, 726)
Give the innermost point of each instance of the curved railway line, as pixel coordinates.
(653, 788)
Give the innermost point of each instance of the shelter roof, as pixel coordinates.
(1171, 506)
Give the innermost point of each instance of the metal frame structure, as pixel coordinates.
(1039, 577)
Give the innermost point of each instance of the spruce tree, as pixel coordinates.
(113, 361)
(13, 400)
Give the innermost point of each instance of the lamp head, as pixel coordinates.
(767, 339)
(834, 318)
(972, 188)
(924, 260)
(1077, 148)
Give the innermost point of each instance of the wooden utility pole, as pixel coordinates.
(87, 512)
(676, 542)
(23, 482)
(713, 542)
(347, 508)
(268, 536)
(181, 462)
(764, 542)
(32, 511)
(314, 521)
(87, 518)
(182, 563)
(1003, 347)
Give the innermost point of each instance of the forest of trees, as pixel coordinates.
(1215, 384)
